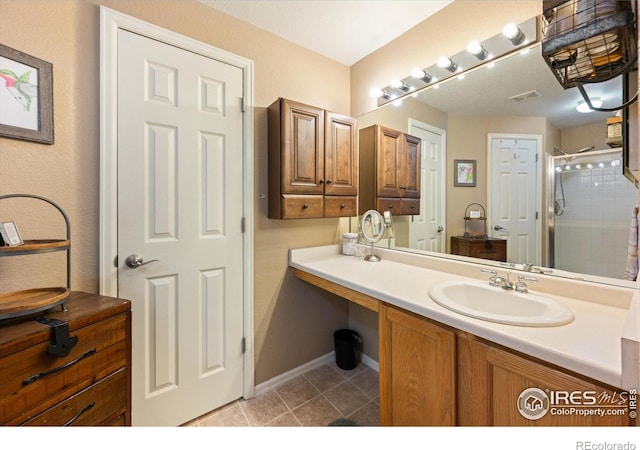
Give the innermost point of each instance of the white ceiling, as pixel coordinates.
(343, 30)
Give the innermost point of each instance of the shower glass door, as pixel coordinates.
(591, 203)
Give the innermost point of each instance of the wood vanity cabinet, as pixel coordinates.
(417, 370)
(312, 162)
(491, 380)
(389, 171)
(89, 386)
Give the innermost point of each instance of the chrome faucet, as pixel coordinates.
(521, 286)
(495, 280)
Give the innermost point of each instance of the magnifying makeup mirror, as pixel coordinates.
(372, 226)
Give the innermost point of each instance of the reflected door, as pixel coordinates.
(426, 230)
(512, 210)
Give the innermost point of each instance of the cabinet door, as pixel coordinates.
(417, 370)
(389, 162)
(302, 149)
(410, 167)
(494, 385)
(341, 155)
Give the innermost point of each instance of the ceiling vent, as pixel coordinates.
(526, 96)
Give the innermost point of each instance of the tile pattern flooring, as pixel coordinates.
(313, 399)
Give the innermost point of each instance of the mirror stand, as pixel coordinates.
(372, 229)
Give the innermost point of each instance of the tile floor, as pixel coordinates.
(313, 399)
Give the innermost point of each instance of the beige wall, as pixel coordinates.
(293, 322)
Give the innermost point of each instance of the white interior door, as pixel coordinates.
(426, 230)
(180, 181)
(513, 179)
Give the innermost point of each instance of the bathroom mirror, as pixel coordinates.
(519, 95)
(372, 227)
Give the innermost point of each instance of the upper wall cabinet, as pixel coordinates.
(313, 156)
(389, 171)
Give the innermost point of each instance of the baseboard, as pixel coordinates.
(293, 373)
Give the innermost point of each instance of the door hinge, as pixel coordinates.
(242, 225)
(536, 157)
(244, 345)
(536, 215)
(115, 262)
(242, 104)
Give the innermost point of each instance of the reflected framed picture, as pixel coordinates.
(26, 97)
(10, 234)
(464, 172)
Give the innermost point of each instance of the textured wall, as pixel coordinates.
(293, 323)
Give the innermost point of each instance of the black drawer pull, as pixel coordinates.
(81, 412)
(56, 369)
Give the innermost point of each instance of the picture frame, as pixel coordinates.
(10, 234)
(26, 97)
(464, 172)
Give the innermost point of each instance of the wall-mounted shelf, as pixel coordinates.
(28, 301)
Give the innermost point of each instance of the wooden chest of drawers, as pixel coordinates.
(89, 386)
(488, 248)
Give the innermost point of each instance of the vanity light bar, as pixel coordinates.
(518, 37)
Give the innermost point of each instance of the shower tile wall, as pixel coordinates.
(592, 235)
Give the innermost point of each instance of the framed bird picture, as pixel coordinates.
(26, 97)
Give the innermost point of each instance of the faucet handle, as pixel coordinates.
(521, 286)
(494, 280)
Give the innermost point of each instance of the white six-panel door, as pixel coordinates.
(513, 208)
(180, 181)
(426, 230)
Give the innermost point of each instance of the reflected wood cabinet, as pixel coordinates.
(389, 171)
(313, 165)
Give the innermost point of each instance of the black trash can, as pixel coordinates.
(346, 343)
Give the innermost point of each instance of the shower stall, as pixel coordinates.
(590, 203)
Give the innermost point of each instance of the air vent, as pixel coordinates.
(526, 96)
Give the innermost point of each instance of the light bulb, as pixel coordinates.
(377, 93)
(399, 84)
(513, 33)
(476, 49)
(420, 74)
(446, 63)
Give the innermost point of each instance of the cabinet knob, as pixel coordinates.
(343, 206)
(321, 180)
(305, 206)
(413, 206)
(390, 206)
(329, 181)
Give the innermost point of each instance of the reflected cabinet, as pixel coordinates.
(389, 171)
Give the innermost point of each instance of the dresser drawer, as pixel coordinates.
(32, 380)
(410, 206)
(103, 403)
(393, 205)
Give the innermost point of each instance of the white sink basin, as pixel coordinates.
(478, 299)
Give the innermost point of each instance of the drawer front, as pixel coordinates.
(32, 380)
(302, 206)
(100, 404)
(494, 250)
(340, 206)
(410, 207)
(394, 205)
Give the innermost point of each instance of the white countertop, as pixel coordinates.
(589, 345)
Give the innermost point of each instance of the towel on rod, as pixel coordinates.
(631, 272)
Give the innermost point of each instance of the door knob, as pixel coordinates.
(440, 229)
(136, 260)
